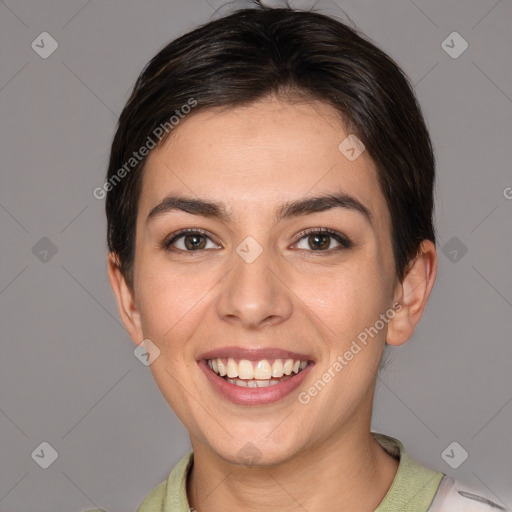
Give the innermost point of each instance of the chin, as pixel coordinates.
(254, 451)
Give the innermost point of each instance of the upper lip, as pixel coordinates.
(254, 354)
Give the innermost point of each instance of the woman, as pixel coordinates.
(269, 206)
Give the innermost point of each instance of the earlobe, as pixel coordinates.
(413, 293)
(125, 299)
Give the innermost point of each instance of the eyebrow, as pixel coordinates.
(290, 209)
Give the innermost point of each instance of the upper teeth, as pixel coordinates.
(263, 370)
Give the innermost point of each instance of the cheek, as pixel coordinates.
(170, 308)
(170, 301)
(349, 297)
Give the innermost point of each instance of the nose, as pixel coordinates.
(254, 293)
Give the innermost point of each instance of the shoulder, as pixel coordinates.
(419, 489)
(171, 494)
(454, 496)
(154, 500)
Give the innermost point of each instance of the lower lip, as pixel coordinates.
(253, 396)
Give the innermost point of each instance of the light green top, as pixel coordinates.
(412, 490)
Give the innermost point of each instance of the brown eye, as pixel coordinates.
(188, 240)
(322, 240)
(319, 241)
(193, 242)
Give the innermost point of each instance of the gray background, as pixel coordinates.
(68, 373)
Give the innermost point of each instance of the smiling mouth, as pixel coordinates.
(256, 374)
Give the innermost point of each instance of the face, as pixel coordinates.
(258, 271)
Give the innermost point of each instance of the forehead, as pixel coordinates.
(256, 157)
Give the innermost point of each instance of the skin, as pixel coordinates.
(294, 297)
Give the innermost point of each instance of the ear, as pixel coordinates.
(413, 293)
(125, 300)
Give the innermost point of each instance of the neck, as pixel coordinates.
(348, 472)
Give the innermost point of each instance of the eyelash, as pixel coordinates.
(344, 242)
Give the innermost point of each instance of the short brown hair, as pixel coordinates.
(253, 53)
